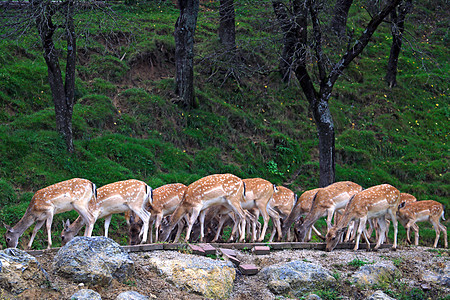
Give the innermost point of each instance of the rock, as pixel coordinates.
(131, 295)
(378, 273)
(86, 294)
(196, 274)
(298, 276)
(379, 295)
(20, 271)
(93, 260)
(313, 297)
(439, 273)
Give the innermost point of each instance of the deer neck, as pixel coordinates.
(77, 225)
(27, 220)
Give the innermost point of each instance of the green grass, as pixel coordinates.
(127, 126)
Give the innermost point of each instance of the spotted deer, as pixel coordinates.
(301, 207)
(326, 202)
(114, 198)
(258, 193)
(282, 202)
(212, 190)
(60, 197)
(423, 211)
(165, 200)
(375, 202)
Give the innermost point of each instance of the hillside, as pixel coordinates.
(127, 124)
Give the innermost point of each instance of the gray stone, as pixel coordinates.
(195, 274)
(298, 276)
(20, 271)
(131, 295)
(379, 295)
(313, 297)
(86, 294)
(439, 273)
(378, 273)
(93, 260)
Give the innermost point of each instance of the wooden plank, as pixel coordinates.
(226, 251)
(173, 246)
(209, 250)
(280, 245)
(233, 259)
(197, 249)
(248, 269)
(143, 247)
(261, 250)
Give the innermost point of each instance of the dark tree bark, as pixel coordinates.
(339, 21)
(227, 29)
(398, 17)
(62, 93)
(318, 99)
(184, 51)
(290, 30)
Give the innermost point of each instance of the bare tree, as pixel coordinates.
(317, 87)
(53, 19)
(184, 51)
(398, 17)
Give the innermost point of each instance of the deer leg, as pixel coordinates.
(107, 222)
(49, 230)
(38, 226)
(157, 225)
(366, 238)
(275, 216)
(222, 221)
(145, 217)
(362, 223)
(202, 225)
(317, 232)
(193, 217)
(393, 216)
(265, 215)
(350, 229)
(382, 227)
(444, 232)
(437, 229)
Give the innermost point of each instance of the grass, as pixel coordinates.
(126, 125)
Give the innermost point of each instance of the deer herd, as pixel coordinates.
(211, 203)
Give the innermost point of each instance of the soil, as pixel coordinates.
(412, 261)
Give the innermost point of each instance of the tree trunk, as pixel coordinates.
(184, 51)
(290, 31)
(227, 30)
(63, 95)
(397, 29)
(339, 21)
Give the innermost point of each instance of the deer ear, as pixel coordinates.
(67, 224)
(7, 227)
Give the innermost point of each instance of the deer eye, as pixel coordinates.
(62, 238)
(8, 239)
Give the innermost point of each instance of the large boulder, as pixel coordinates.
(20, 271)
(86, 294)
(201, 275)
(297, 276)
(378, 273)
(93, 260)
(379, 295)
(131, 295)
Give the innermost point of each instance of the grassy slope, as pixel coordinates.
(126, 125)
